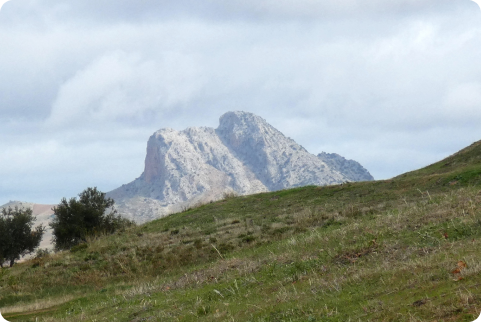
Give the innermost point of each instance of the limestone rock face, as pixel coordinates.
(244, 155)
(350, 168)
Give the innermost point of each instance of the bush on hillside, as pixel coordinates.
(77, 219)
(17, 235)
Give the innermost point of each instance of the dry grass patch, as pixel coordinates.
(37, 305)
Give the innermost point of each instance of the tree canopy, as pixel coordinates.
(76, 219)
(17, 235)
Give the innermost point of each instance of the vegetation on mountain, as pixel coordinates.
(405, 249)
(18, 237)
(77, 219)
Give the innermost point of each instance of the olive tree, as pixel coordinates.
(78, 218)
(18, 237)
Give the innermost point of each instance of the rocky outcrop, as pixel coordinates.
(353, 170)
(244, 155)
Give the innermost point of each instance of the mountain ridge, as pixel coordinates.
(244, 155)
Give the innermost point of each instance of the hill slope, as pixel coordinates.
(405, 249)
(463, 167)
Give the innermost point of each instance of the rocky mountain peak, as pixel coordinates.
(245, 154)
(237, 128)
(240, 122)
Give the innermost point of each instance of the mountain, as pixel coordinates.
(353, 170)
(244, 155)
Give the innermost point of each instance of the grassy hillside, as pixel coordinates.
(405, 249)
(463, 167)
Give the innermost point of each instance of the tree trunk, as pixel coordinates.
(12, 261)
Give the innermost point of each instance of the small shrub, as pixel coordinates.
(203, 310)
(265, 229)
(300, 230)
(79, 247)
(185, 209)
(84, 267)
(248, 239)
(225, 247)
(36, 264)
(209, 231)
(45, 252)
(92, 256)
(280, 231)
(331, 222)
(229, 195)
(198, 243)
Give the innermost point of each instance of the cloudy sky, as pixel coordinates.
(395, 85)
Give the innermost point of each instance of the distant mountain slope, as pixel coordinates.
(353, 170)
(243, 155)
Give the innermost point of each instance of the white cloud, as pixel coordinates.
(120, 87)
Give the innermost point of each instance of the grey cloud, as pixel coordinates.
(85, 83)
(323, 9)
(108, 11)
(315, 76)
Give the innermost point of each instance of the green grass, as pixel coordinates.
(368, 251)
